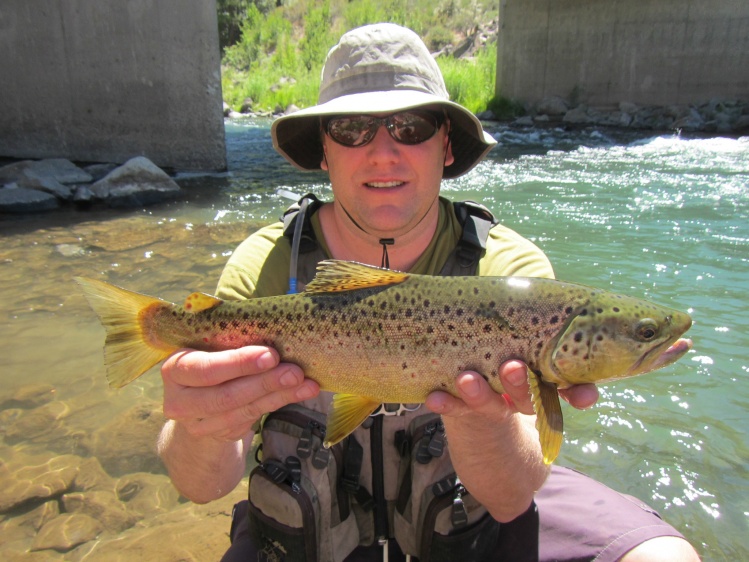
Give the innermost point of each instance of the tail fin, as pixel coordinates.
(127, 352)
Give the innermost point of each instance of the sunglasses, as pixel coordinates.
(407, 127)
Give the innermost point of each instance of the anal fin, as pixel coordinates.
(549, 421)
(347, 412)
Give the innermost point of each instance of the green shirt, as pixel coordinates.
(259, 267)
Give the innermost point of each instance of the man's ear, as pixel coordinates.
(324, 161)
(449, 158)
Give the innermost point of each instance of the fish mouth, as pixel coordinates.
(656, 358)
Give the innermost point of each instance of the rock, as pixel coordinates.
(128, 443)
(577, 116)
(291, 109)
(58, 169)
(21, 200)
(36, 423)
(147, 494)
(83, 194)
(524, 121)
(136, 183)
(742, 124)
(38, 517)
(66, 532)
(31, 179)
(227, 109)
(98, 171)
(102, 506)
(487, 115)
(36, 479)
(553, 106)
(91, 477)
(246, 106)
(629, 108)
(29, 396)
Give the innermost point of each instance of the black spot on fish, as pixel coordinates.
(450, 327)
(553, 320)
(306, 307)
(222, 325)
(599, 310)
(492, 304)
(584, 312)
(579, 337)
(487, 355)
(616, 309)
(409, 313)
(599, 337)
(475, 290)
(426, 303)
(568, 310)
(459, 312)
(384, 305)
(511, 311)
(487, 328)
(430, 330)
(404, 366)
(460, 292)
(397, 297)
(470, 321)
(535, 320)
(565, 348)
(447, 309)
(454, 343)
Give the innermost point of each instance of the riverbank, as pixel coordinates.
(28, 187)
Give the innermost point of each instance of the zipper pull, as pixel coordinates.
(294, 466)
(304, 445)
(437, 443)
(423, 456)
(321, 458)
(459, 515)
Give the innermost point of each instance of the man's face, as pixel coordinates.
(385, 186)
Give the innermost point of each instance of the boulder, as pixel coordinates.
(58, 169)
(553, 106)
(22, 200)
(136, 183)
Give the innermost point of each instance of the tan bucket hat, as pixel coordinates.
(381, 68)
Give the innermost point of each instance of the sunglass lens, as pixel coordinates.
(412, 127)
(355, 130)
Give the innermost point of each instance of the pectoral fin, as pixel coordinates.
(347, 412)
(549, 422)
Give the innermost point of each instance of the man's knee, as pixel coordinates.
(662, 549)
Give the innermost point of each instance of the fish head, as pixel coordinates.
(613, 337)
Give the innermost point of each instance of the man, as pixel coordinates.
(386, 133)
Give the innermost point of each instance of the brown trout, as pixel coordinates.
(375, 336)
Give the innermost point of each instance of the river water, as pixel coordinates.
(661, 217)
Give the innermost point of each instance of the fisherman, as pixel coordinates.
(459, 478)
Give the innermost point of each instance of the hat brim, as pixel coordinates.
(297, 136)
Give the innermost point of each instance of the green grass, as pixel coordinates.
(278, 57)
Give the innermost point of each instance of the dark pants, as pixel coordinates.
(573, 519)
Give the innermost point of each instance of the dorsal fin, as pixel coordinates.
(337, 275)
(198, 302)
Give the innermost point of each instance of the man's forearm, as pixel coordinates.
(503, 471)
(202, 468)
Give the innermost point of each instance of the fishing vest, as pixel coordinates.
(390, 479)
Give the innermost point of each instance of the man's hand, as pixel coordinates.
(476, 395)
(222, 394)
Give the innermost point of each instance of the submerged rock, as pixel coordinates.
(128, 443)
(66, 532)
(31, 479)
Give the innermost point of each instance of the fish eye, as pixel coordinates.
(646, 329)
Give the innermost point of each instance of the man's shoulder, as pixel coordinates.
(510, 253)
(258, 266)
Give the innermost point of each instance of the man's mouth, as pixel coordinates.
(384, 184)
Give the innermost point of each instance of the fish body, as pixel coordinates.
(372, 335)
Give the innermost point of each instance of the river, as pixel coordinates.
(661, 217)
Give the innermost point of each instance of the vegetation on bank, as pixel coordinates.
(273, 51)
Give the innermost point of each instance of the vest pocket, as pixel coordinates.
(435, 518)
(298, 510)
